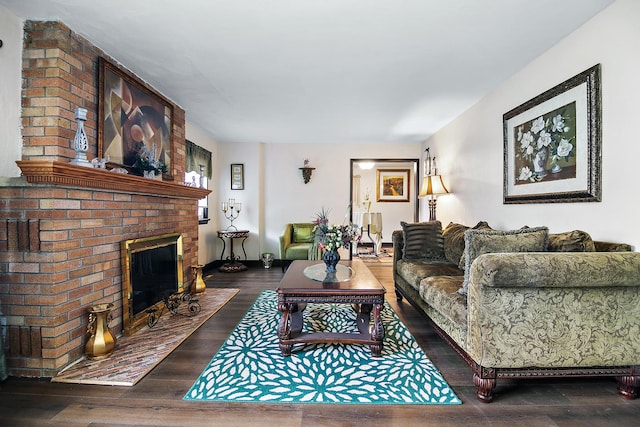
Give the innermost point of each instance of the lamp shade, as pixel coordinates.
(432, 185)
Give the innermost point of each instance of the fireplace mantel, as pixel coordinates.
(50, 172)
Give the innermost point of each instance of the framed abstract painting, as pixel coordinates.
(132, 118)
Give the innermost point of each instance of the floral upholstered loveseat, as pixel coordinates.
(525, 303)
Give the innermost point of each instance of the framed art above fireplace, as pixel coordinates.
(132, 116)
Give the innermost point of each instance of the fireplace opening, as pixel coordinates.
(151, 270)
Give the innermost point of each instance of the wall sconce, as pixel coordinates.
(306, 171)
(432, 185)
(231, 211)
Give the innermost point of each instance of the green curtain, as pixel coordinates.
(197, 156)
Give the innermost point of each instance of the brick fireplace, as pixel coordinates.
(60, 224)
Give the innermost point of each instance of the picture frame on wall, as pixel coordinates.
(237, 176)
(552, 144)
(393, 185)
(132, 116)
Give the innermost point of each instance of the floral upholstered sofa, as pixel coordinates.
(525, 303)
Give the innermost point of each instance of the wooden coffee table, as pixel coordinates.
(362, 291)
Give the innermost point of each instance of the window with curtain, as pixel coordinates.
(197, 173)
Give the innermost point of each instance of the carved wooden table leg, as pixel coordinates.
(377, 331)
(362, 318)
(284, 328)
(290, 325)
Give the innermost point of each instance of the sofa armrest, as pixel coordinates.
(554, 310)
(285, 239)
(556, 269)
(397, 238)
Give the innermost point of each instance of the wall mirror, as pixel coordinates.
(386, 186)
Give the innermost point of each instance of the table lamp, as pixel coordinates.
(432, 185)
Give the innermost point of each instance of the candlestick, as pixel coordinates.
(231, 211)
(201, 176)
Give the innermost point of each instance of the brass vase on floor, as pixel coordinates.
(101, 341)
(198, 284)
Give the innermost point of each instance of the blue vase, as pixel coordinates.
(331, 259)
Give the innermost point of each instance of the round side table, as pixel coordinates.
(233, 264)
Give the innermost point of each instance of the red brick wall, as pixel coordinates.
(69, 258)
(59, 74)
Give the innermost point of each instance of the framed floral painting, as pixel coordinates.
(552, 144)
(392, 185)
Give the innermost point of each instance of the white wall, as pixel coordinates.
(10, 76)
(470, 149)
(275, 193)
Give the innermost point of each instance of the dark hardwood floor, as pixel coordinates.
(157, 399)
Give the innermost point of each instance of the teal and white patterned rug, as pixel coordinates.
(250, 368)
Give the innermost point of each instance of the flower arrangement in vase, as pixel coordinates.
(332, 237)
(147, 161)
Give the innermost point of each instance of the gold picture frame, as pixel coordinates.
(393, 185)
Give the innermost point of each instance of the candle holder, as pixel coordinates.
(80, 142)
(231, 211)
(201, 176)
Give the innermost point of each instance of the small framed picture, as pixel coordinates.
(392, 185)
(237, 176)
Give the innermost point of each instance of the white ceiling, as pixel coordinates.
(320, 71)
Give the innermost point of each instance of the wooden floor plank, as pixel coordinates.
(157, 399)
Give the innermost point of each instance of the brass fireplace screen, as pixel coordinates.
(151, 271)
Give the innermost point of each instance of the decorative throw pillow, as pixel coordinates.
(303, 233)
(423, 241)
(571, 241)
(478, 242)
(454, 240)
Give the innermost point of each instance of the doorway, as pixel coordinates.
(388, 187)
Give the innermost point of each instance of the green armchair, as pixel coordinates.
(298, 241)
